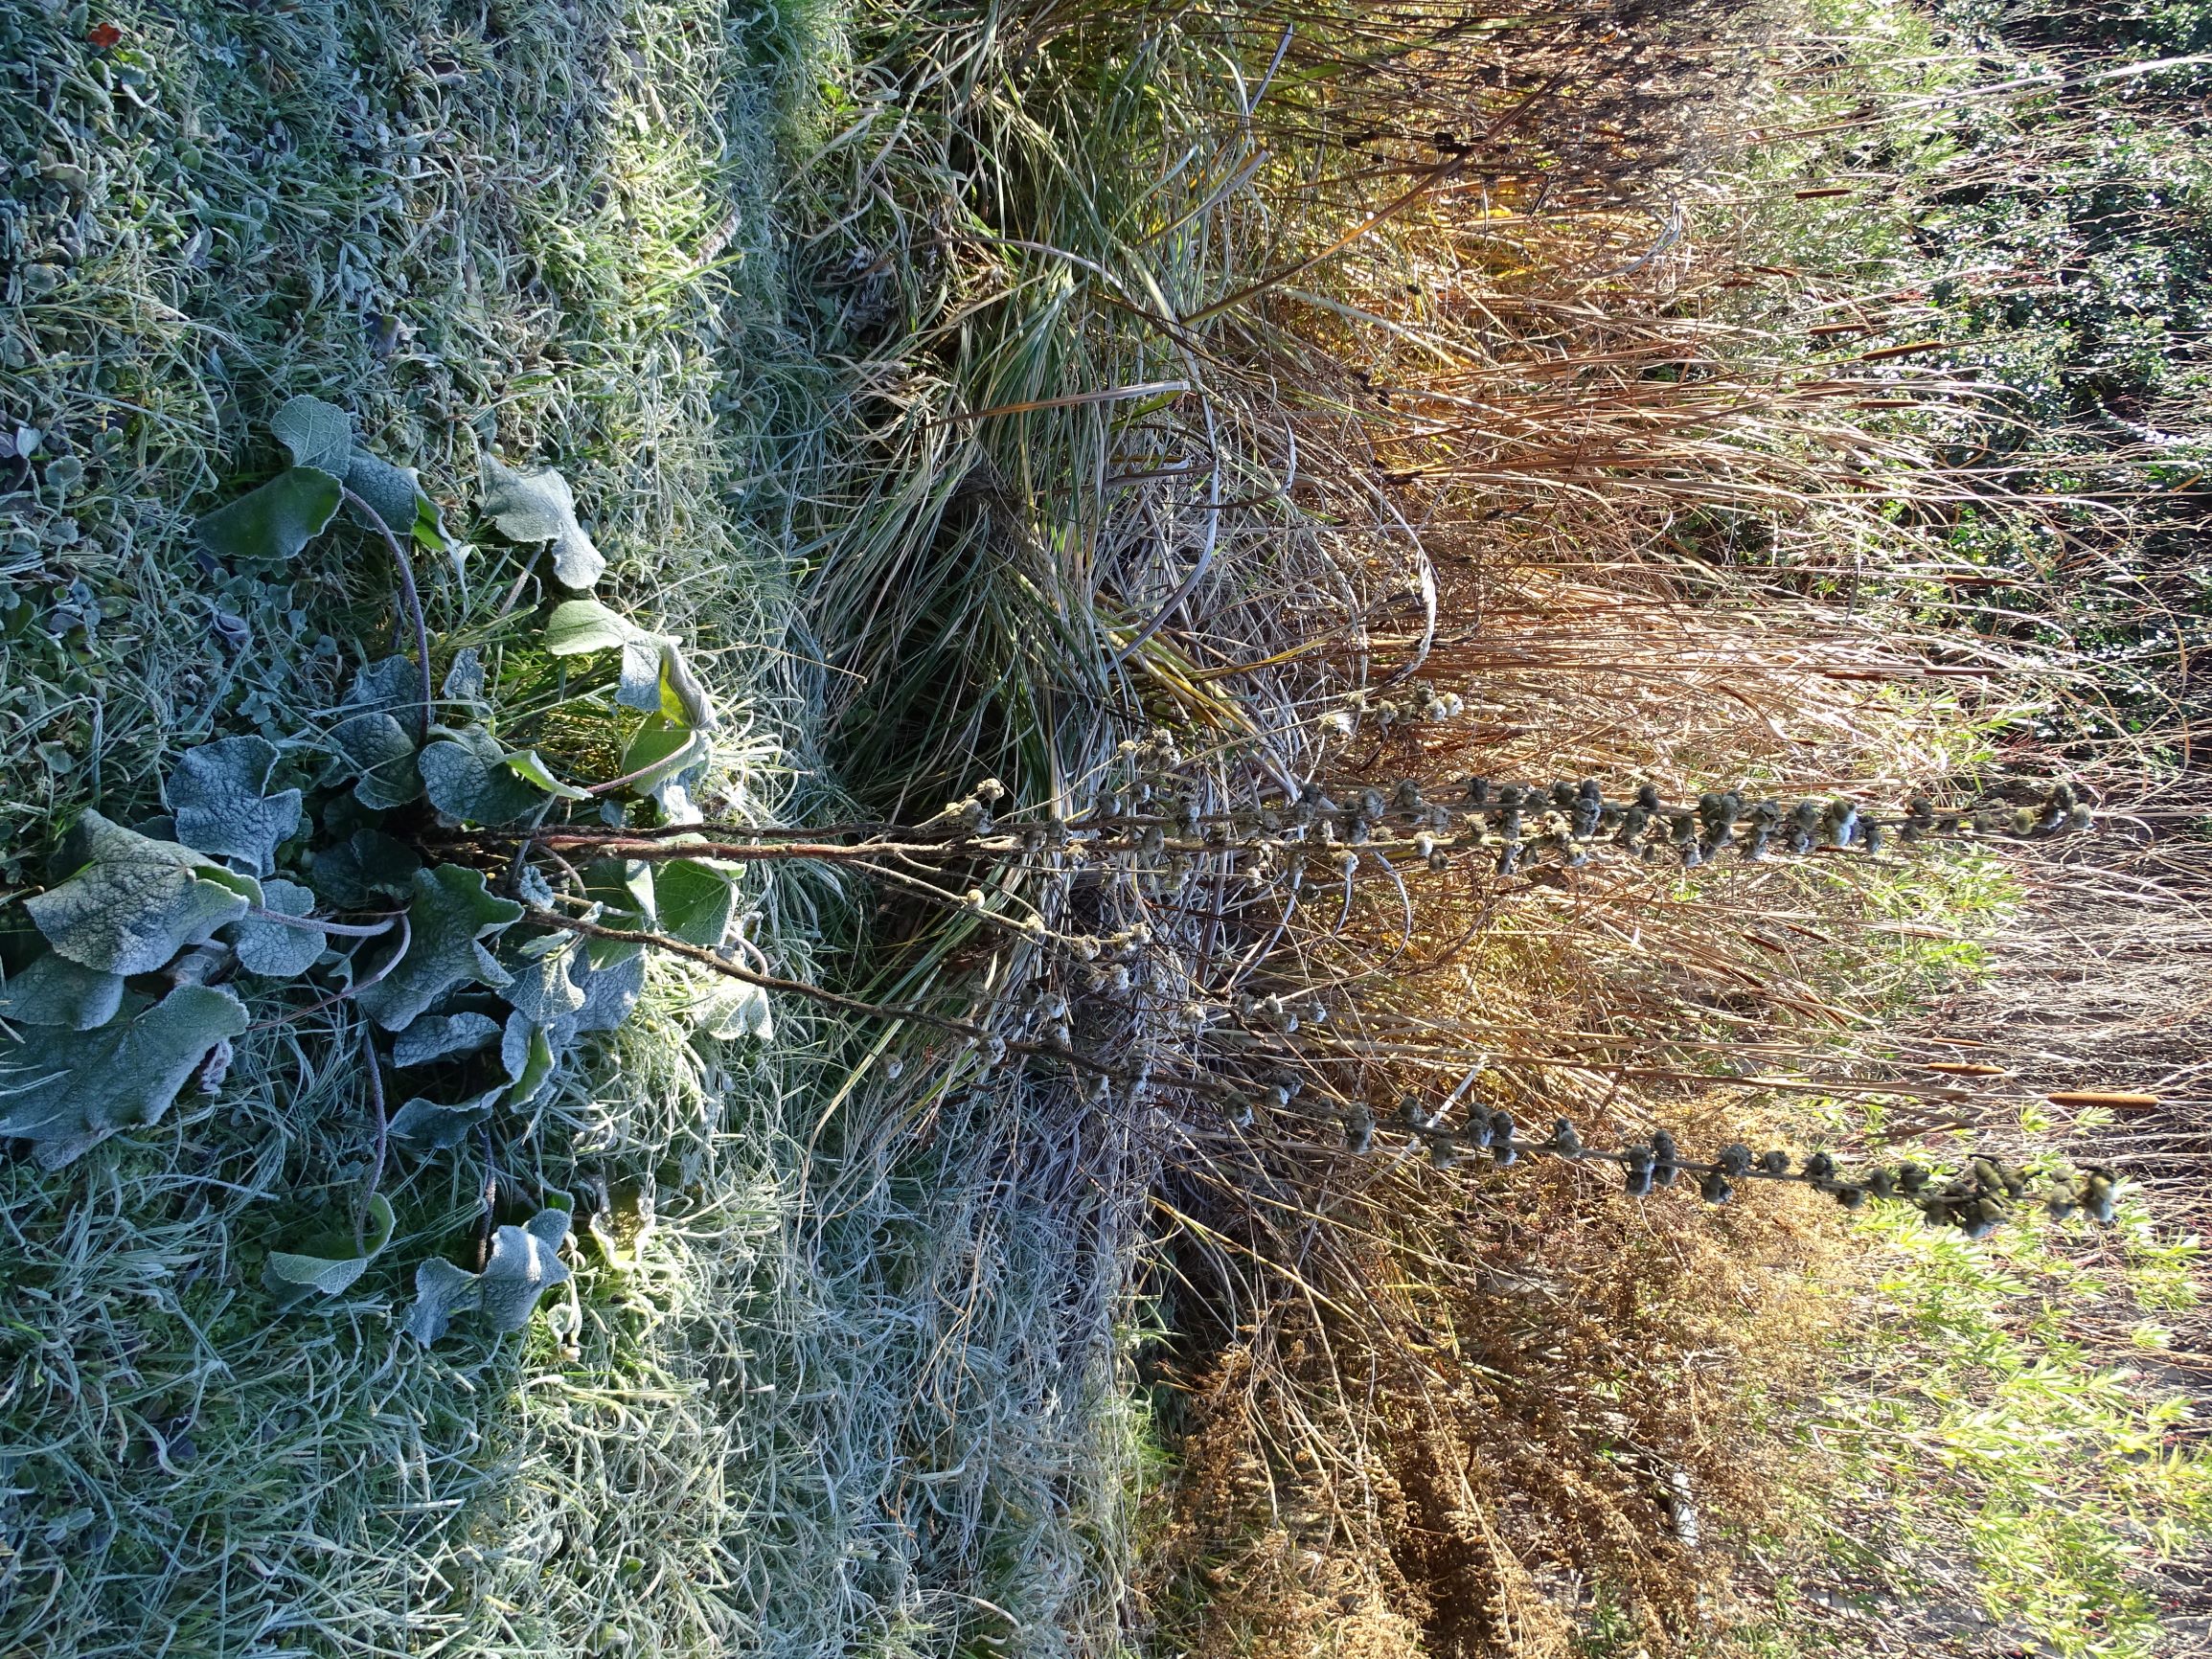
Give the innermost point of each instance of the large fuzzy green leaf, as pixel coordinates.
(579, 626)
(733, 1009)
(438, 1036)
(328, 1264)
(625, 889)
(318, 434)
(658, 678)
(135, 901)
(427, 1125)
(218, 795)
(526, 1049)
(277, 949)
(450, 915)
(389, 683)
(467, 776)
(525, 1263)
(465, 681)
(528, 765)
(68, 1091)
(53, 990)
(610, 994)
(538, 505)
(662, 751)
(376, 746)
(391, 492)
(697, 901)
(545, 988)
(365, 868)
(275, 521)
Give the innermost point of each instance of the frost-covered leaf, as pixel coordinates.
(273, 949)
(673, 796)
(426, 1126)
(443, 1291)
(610, 994)
(545, 988)
(578, 627)
(367, 866)
(275, 521)
(682, 698)
(449, 914)
(525, 1263)
(318, 434)
(438, 1036)
(638, 686)
(697, 901)
(393, 493)
(734, 1010)
(381, 753)
(135, 902)
(624, 889)
(530, 769)
(532, 887)
(464, 678)
(70, 1090)
(389, 683)
(660, 752)
(526, 1049)
(53, 990)
(538, 505)
(328, 1264)
(217, 797)
(657, 680)
(466, 777)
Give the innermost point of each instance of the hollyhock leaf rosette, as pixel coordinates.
(219, 798)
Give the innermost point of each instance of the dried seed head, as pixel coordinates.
(2098, 1196)
(1636, 1168)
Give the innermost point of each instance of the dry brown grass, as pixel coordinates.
(1265, 372)
(1470, 1412)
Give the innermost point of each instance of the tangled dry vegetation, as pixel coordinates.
(1366, 398)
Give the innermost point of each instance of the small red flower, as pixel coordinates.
(103, 34)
